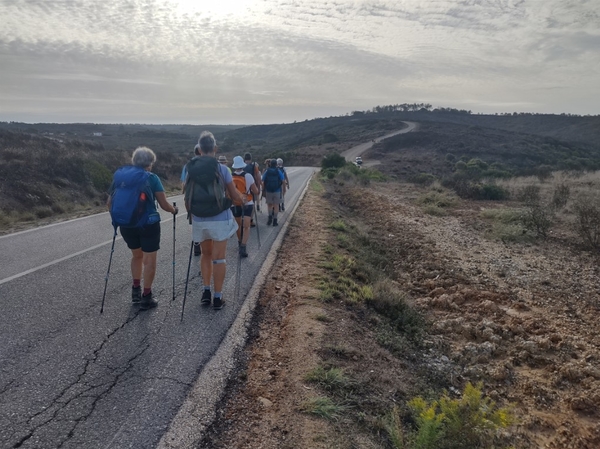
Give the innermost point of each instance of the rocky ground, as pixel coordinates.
(520, 317)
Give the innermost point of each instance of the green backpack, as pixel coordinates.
(205, 188)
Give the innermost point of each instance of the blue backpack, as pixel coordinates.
(272, 180)
(131, 198)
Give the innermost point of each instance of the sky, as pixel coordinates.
(279, 61)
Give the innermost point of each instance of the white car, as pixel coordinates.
(358, 160)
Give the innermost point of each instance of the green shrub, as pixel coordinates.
(423, 179)
(469, 422)
(330, 379)
(333, 160)
(560, 196)
(436, 198)
(587, 211)
(389, 302)
(100, 176)
(493, 192)
(538, 218)
(323, 407)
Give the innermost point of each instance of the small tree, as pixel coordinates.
(587, 211)
(333, 160)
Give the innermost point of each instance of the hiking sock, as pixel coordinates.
(147, 291)
(136, 283)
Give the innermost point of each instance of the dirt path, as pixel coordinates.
(521, 318)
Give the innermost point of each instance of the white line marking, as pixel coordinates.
(62, 259)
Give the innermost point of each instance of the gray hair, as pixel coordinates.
(143, 157)
(207, 142)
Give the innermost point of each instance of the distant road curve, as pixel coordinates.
(358, 150)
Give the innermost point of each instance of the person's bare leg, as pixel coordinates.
(137, 257)
(149, 261)
(246, 230)
(206, 265)
(219, 252)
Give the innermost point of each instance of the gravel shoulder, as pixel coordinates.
(521, 318)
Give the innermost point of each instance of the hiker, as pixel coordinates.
(285, 186)
(197, 250)
(143, 241)
(244, 183)
(253, 169)
(272, 180)
(208, 182)
(267, 166)
(223, 161)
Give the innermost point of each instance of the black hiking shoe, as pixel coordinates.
(243, 252)
(282, 207)
(275, 222)
(148, 302)
(136, 294)
(270, 220)
(197, 250)
(218, 303)
(206, 297)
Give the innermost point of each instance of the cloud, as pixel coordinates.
(286, 55)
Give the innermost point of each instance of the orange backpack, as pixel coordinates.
(240, 184)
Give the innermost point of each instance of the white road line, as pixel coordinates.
(62, 259)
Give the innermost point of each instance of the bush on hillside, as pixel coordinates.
(333, 160)
(587, 211)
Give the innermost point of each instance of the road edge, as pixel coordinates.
(199, 408)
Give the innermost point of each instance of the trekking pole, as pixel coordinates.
(174, 219)
(239, 264)
(187, 278)
(112, 250)
(256, 222)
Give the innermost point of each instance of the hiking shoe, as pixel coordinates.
(197, 250)
(275, 222)
(252, 224)
(148, 302)
(136, 294)
(206, 297)
(270, 220)
(279, 207)
(282, 207)
(218, 303)
(243, 252)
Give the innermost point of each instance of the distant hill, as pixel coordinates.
(63, 169)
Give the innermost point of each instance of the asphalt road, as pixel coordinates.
(358, 150)
(72, 378)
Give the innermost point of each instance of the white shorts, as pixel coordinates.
(213, 230)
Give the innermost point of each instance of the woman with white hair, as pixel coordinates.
(144, 242)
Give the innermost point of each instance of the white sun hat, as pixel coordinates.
(238, 162)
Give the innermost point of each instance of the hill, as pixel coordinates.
(76, 160)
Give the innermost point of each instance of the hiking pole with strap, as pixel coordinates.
(187, 278)
(112, 250)
(256, 221)
(239, 264)
(174, 219)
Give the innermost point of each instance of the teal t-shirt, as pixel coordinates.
(155, 186)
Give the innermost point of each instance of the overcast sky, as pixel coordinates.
(276, 61)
